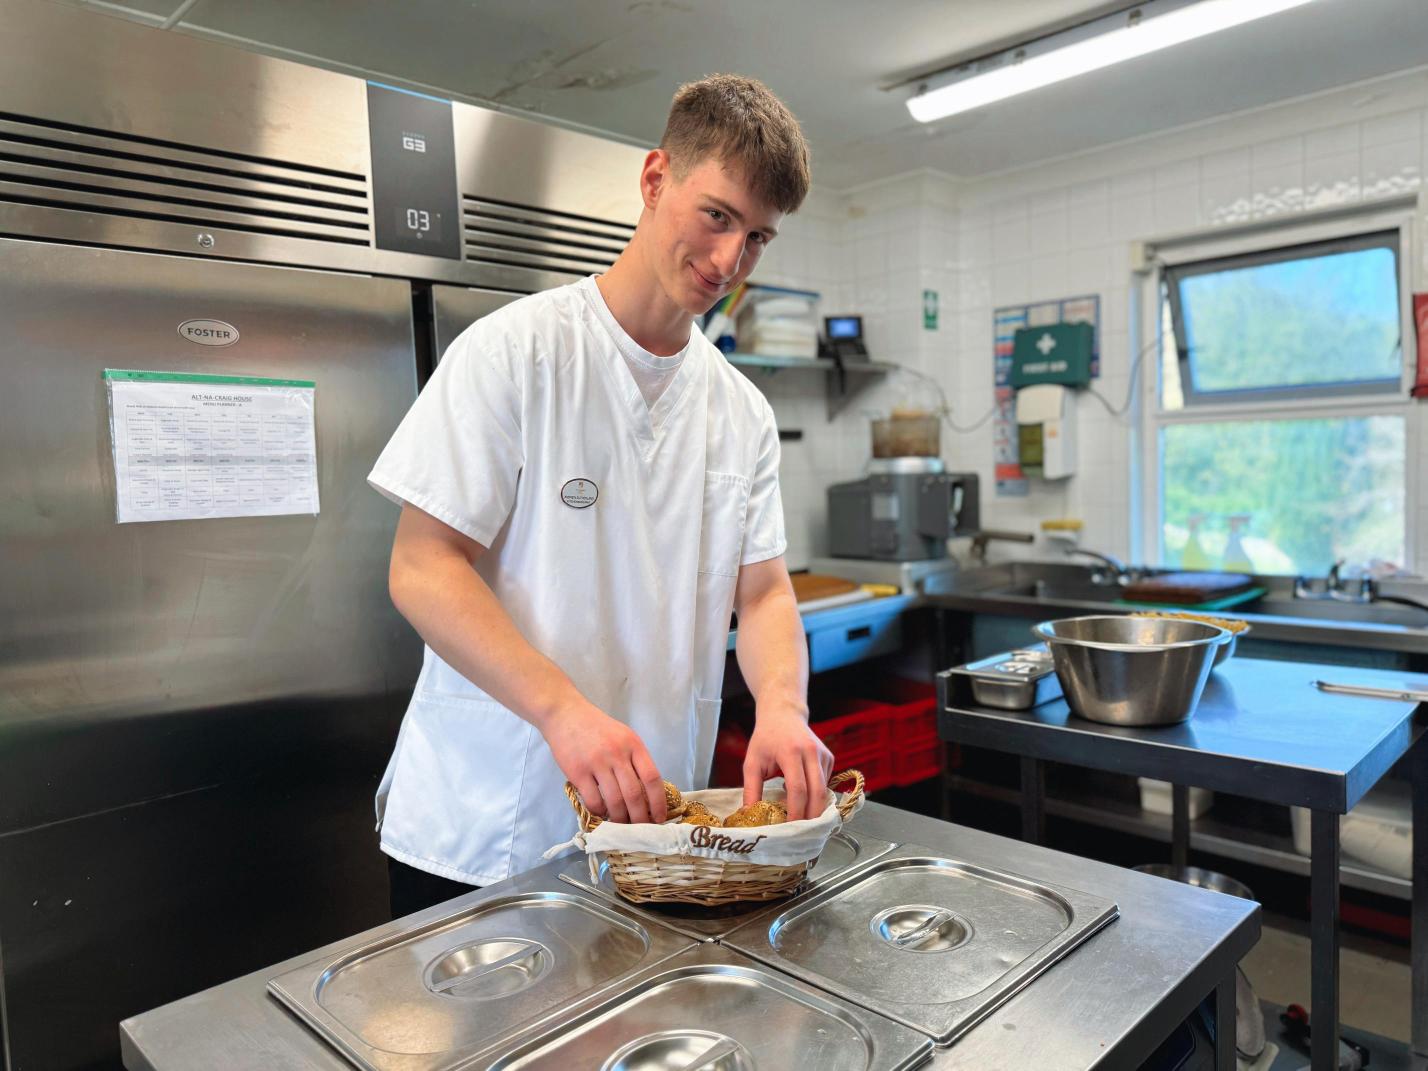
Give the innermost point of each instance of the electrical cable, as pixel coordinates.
(945, 410)
(1130, 388)
(1155, 343)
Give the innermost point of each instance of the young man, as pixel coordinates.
(588, 488)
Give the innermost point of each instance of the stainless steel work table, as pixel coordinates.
(1107, 1005)
(1263, 731)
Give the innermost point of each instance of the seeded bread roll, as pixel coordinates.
(694, 818)
(763, 813)
(673, 801)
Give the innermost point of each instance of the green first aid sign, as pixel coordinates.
(1053, 353)
(929, 310)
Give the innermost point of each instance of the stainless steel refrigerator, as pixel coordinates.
(193, 713)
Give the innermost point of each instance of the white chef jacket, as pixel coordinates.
(615, 532)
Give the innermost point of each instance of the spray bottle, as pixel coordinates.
(1194, 556)
(1237, 559)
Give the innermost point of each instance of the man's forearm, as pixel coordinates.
(460, 618)
(772, 652)
(434, 584)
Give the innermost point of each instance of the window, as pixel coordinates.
(1281, 422)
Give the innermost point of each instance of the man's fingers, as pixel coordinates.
(753, 778)
(817, 786)
(614, 798)
(590, 795)
(795, 782)
(633, 790)
(648, 774)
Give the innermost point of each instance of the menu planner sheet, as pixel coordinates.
(190, 446)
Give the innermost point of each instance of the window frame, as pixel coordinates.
(1392, 399)
(1390, 239)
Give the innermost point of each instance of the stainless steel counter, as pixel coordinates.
(1261, 730)
(1107, 1005)
(1041, 590)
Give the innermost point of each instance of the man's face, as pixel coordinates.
(708, 230)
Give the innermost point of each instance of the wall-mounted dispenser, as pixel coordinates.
(1048, 362)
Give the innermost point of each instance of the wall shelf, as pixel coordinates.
(846, 379)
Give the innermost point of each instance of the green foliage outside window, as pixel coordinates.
(1314, 490)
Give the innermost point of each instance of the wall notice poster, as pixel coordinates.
(189, 446)
(1006, 454)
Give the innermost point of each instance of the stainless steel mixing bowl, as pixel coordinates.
(1194, 875)
(1132, 670)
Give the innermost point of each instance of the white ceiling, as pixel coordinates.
(611, 65)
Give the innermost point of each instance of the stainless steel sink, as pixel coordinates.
(1071, 587)
(926, 940)
(711, 1009)
(1330, 610)
(1062, 591)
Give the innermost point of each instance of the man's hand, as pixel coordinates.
(608, 764)
(783, 743)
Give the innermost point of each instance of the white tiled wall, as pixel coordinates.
(871, 251)
(1059, 229)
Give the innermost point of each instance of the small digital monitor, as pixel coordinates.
(841, 327)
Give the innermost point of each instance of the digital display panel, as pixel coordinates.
(417, 206)
(843, 326)
(419, 225)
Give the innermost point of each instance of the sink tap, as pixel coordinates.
(1119, 574)
(1366, 591)
(986, 535)
(1335, 588)
(1332, 584)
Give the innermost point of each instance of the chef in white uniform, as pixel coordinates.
(588, 489)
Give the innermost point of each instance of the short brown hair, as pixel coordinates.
(740, 121)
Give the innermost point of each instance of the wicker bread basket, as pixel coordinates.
(645, 878)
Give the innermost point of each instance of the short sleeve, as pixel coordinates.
(763, 526)
(458, 453)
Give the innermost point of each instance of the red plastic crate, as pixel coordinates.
(901, 692)
(910, 728)
(868, 729)
(911, 704)
(730, 748)
(914, 762)
(875, 764)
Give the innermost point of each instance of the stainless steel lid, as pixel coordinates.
(928, 941)
(426, 994)
(711, 1009)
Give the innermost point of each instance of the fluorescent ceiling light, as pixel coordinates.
(1146, 34)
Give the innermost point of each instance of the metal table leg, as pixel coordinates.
(944, 781)
(1418, 954)
(1324, 940)
(1033, 801)
(1225, 1024)
(1179, 826)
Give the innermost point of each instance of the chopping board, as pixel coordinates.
(810, 586)
(815, 592)
(1189, 589)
